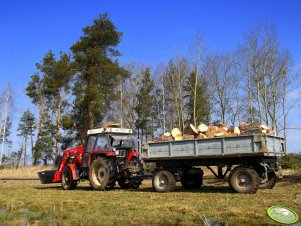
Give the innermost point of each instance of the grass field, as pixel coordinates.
(29, 202)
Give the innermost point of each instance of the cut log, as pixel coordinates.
(219, 134)
(176, 132)
(211, 131)
(166, 138)
(179, 137)
(194, 129)
(202, 128)
(223, 127)
(201, 136)
(264, 127)
(233, 130)
(188, 137)
(168, 134)
(252, 128)
(271, 132)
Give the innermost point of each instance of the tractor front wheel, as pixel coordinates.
(67, 180)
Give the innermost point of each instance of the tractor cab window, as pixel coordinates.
(90, 144)
(123, 141)
(101, 143)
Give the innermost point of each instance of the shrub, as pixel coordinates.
(291, 161)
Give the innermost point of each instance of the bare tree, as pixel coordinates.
(7, 102)
(266, 68)
(223, 80)
(196, 55)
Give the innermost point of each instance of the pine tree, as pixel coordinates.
(26, 128)
(97, 73)
(36, 91)
(45, 145)
(145, 103)
(57, 75)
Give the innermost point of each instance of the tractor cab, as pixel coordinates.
(109, 142)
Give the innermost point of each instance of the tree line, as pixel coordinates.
(83, 89)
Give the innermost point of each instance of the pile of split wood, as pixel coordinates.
(204, 131)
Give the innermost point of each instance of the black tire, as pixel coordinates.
(164, 181)
(272, 179)
(244, 180)
(230, 175)
(135, 182)
(102, 174)
(192, 180)
(67, 180)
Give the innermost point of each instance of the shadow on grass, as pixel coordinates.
(60, 188)
(294, 178)
(204, 189)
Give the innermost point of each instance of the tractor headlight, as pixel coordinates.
(116, 151)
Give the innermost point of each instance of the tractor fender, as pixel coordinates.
(74, 170)
(132, 154)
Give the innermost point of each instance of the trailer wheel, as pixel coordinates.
(164, 181)
(272, 178)
(102, 174)
(244, 180)
(193, 179)
(66, 179)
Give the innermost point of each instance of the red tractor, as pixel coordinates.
(108, 157)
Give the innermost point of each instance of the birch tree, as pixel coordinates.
(220, 70)
(6, 104)
(266, 67)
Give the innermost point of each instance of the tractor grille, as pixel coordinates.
(122, 153)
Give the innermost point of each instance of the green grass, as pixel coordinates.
(36, 204)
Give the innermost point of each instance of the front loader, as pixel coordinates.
(109, 156)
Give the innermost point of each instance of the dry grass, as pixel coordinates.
(36, 204)
(23, 172)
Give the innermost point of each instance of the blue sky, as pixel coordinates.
(154, 31)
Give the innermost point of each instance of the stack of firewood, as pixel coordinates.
(204, 131)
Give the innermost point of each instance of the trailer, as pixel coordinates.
(250, 161)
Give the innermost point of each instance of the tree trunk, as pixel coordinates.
(90, 115)
(40, 121)
(25, 145)
(163, 104)
(4, 131)
(58, 125)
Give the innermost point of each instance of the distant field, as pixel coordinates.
(36, 204)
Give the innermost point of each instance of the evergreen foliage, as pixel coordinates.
(97, 70)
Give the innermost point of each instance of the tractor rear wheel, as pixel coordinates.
(67, 180)
(164, 181)
(244, 180)
(102, 174)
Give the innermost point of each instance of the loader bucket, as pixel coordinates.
(46, 177)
